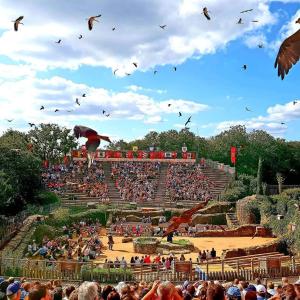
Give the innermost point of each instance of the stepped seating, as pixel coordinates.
(232, 220)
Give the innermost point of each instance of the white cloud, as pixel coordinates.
(22, 98)
(136, 88)
(137, 38)
(272, 122)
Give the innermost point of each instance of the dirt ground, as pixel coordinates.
(219, 243)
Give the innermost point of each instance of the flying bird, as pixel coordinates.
(244, 67)
(69, 111)
(188, 121)
(254, 21)
(127, 74)
(42, 107)
(115, 71)
(260, 46)
(113, 29)
(185, 217)
(103, 112)
(295, 102)
(162, 26)
(175, 69)
(80, 37)
(240, 21)
(288, 54)
(31, 124)
(180, 114)
(56, 110)
(135, 64)
(107, 115)
(83, 95)
(298, 21)
(154, 72)
(205, 12)
(91, 21)
(247, 10)
(58, 42)
(17, 22)
(93, 141)
(282, 123)
(9, 120)
(247, 109)
(169, 104)
(77, 101)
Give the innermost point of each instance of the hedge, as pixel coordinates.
(46, 197)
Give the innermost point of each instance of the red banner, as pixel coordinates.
(129, 154)
(46, 164)
(233, 155)
(66, 160)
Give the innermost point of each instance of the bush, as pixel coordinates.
(292, 194)
(46, 197)
(234, 194)
(45, 230)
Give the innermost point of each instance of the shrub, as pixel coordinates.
(45, 230)
(234, 194)
(292, 194)
(46, 197)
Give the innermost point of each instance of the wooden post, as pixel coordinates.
(222, 269)
(238, 267)
(207, 269)
(252, 266)
(92, 271)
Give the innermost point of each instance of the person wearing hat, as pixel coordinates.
(13, 291)
(261, 292)
(233, 293)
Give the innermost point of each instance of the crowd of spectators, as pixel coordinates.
(12, 289)
(77, 177)
(187, 182)
(79, 241)
(136, 181)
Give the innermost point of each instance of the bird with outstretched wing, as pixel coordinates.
(185, 217)
(93, 138)
(288, 54)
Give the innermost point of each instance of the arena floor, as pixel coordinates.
(219, 243)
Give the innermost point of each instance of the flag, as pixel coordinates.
(152, 155)
(233, 155)
(129, 154)
(66, 160)
(117, 154)
(46, 164)
(184, 155)
(109, 154)
(142, 154)
(174, 154)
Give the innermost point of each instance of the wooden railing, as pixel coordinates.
(224, 270)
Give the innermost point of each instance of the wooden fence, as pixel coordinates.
(223, 270)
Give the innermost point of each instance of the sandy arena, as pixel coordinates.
(219, 243)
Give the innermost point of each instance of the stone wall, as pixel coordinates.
(215, 219)
(220, 207)
(242, 231)
(267, 248)
(244, 216)
(145, 247)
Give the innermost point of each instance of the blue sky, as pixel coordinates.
(209, 84)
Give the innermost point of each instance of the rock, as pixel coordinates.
(91, 205)
(127, 239)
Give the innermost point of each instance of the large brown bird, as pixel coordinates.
(205, 12)
(298, 21)
(93, 139)
(185, 217)
(288, 54)
(91, 21)
(17, 22)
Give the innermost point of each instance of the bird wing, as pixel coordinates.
(19, 19)
(83, 131)
(90, 23)
(172, 227)
(16, 25)
(288, 54)
(188, 213)
(206, 15)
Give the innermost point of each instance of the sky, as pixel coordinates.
(209, 83)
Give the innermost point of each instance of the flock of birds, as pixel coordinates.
(288, 55)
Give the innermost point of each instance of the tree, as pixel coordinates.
(259, 177)
(14, 139)
(51, 142)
